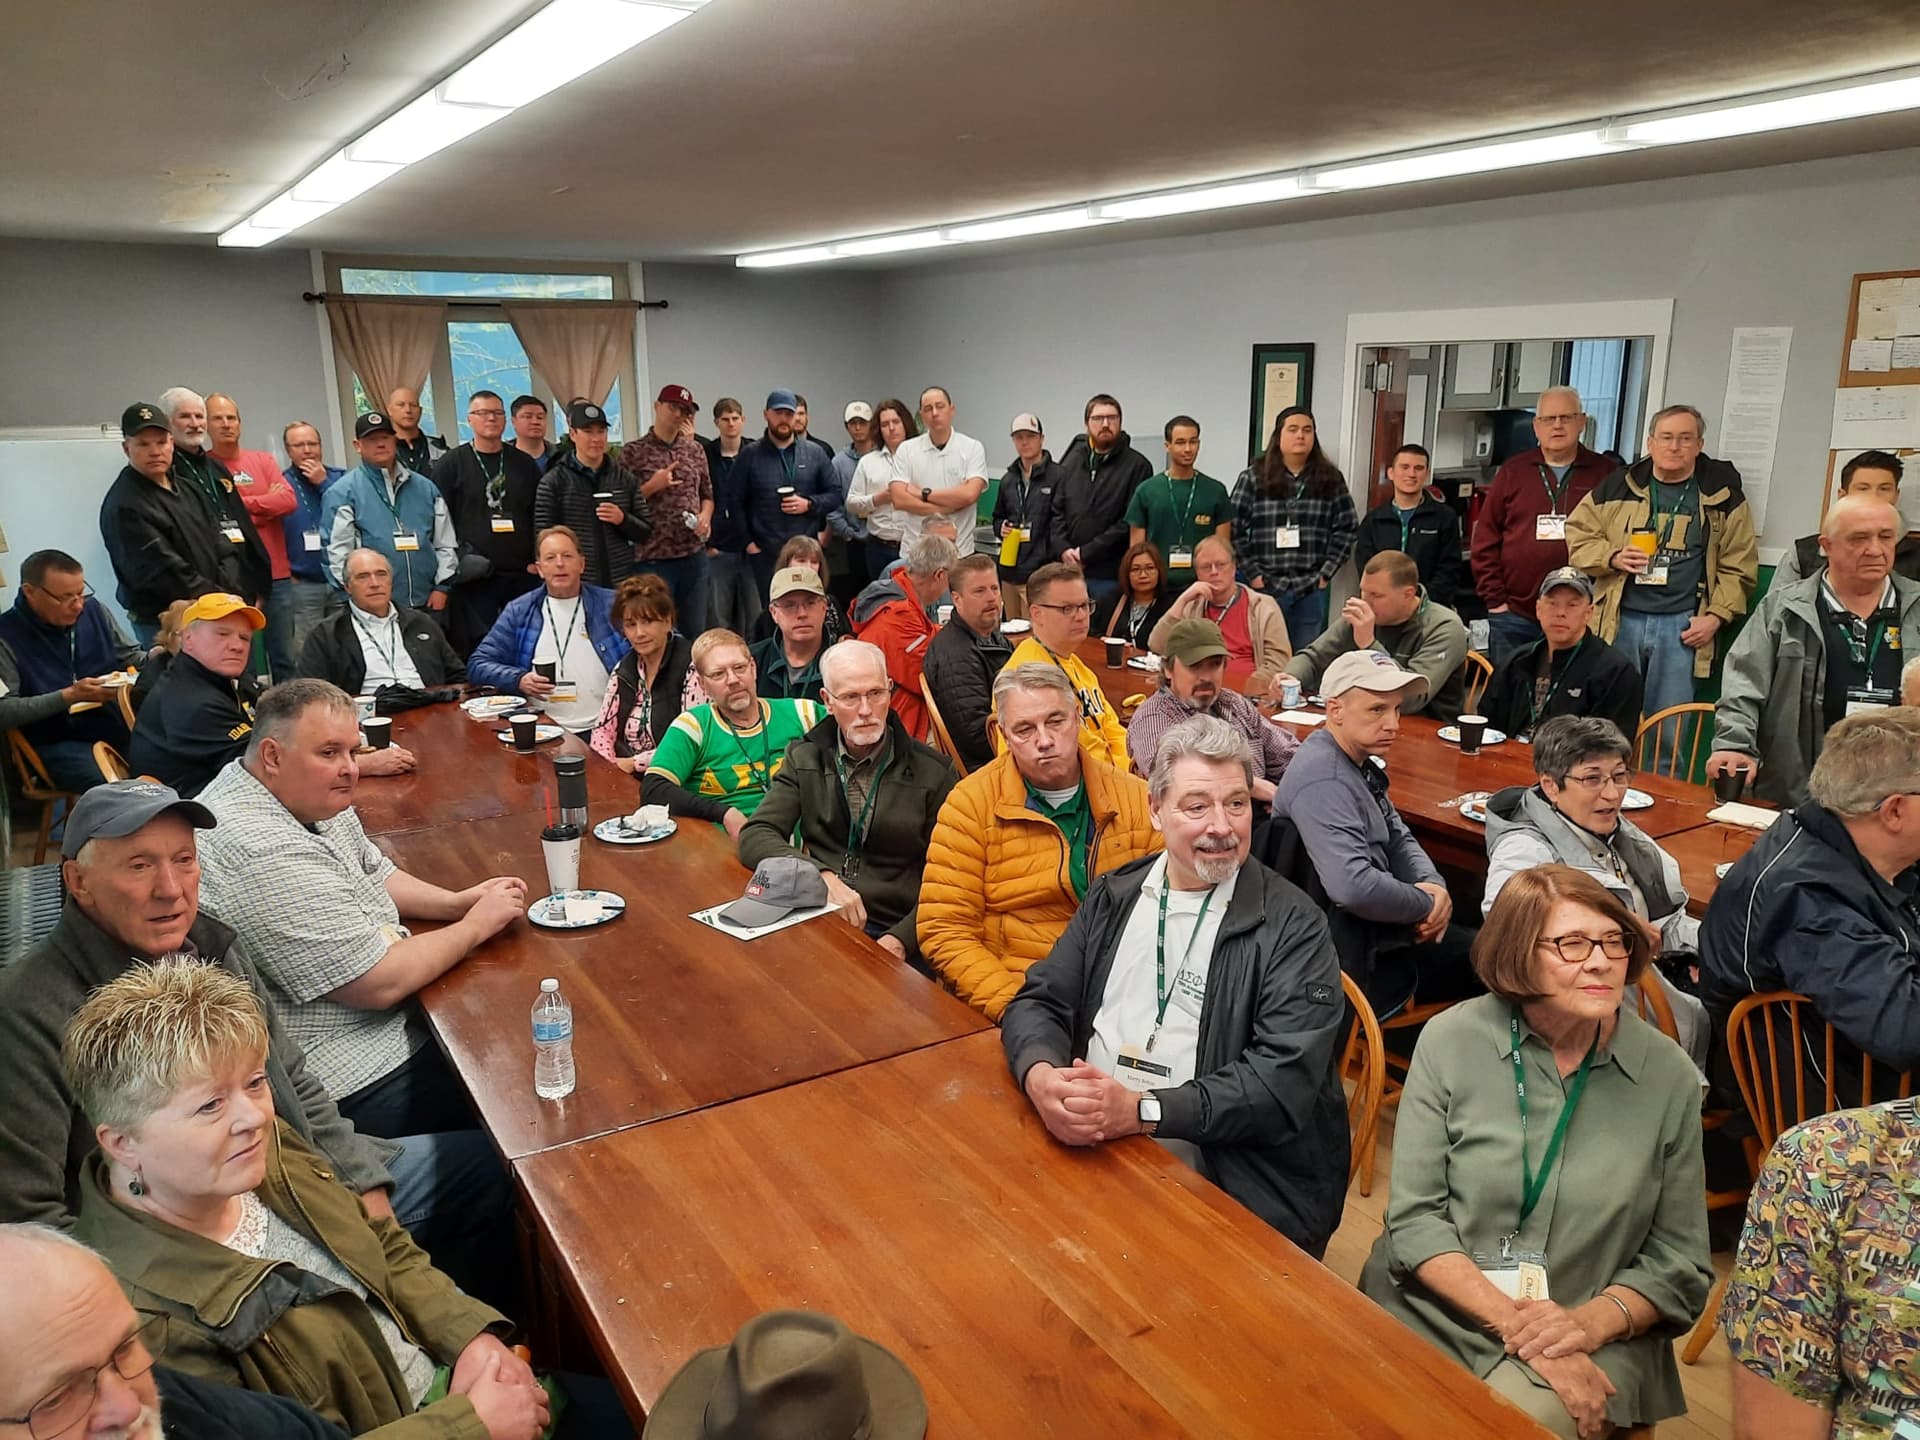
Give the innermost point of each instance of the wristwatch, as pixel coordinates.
(926, 494)
(1149, 1114)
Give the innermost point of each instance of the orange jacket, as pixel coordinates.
(995, 894)
(901, 627)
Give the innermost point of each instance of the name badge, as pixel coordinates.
(1654, 574)
(405, 540)
(235, 535)
(1287, 537)
(1180, 559)
(502, 524)
(1550, 527)
(310, 539)
(1861, 699)
(1203, 519)
(1519, 1279)
(564, 691)
(1026, 534)
(1137, 1070)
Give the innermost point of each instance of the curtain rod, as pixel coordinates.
(322, 297)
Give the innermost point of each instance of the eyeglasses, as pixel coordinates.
(1103, 417)
(1574, 948)
(730, 672)
(486, 414)
(1615, 780)
(78, 597)
(59, 1411)
(861, 699)
(1574, 419)
(1082, 607)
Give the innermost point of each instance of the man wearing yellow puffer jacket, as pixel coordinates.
(1018, 842)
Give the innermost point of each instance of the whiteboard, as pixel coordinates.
(51, 484)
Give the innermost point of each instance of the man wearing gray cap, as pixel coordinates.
(1571, 671)
(132, 875)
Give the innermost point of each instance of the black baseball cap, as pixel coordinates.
(584, 412)
(141, 416)
(370, 422)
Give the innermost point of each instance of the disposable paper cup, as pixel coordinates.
(524, 727)
(945, 613)
(379, 731)
(1473, 729)
(1116, 652)
(1728, 785)
(784, 491)
(560, 844)
(546, 669)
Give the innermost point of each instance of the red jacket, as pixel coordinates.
(889, 614)
(1508, 562)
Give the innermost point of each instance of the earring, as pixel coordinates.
(136, 1187)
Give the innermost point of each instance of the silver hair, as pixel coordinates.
(1699, 420)
(1851, 505)
(1202, 737)
(1910, 682)
(835, 659)
(1567, 741)
(46, 1237)
(1566, 390)
(1866, 759)
(1031, 675)
(928, 555)
(281, 707)
(172, 398)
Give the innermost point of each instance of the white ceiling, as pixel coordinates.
(763, 123)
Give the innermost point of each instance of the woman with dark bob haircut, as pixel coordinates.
(1548, 1223)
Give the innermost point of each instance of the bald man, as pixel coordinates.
(417, 450)
(78, 1360)
(1815, 651)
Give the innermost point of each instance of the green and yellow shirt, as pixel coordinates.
(702, 753)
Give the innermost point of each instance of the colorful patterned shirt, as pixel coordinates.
(671, 537)
(1824, 1300)
(702, 753)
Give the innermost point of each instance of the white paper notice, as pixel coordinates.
(1875, 417)
(1870, 355)
(1906, 352)
(1750, 418)
(1881, 302)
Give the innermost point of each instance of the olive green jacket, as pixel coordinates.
(268, 1325)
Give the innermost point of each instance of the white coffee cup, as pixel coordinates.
(560, 845)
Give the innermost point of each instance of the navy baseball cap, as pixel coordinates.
(121, 807)
(782, 400)
(373, 420)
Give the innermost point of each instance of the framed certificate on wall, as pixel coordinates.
(1282, 376)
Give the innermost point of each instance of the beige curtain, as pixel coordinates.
(578, 347)
(388, 346)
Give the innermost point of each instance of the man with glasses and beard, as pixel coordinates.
(1195, 997)
(1060, 611)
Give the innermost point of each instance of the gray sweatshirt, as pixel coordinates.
(1366, 858)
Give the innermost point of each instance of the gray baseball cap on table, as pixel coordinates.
(118, 809)
(781, 884)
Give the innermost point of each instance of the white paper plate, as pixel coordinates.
(549, 911)
(1451, 734)
(1145, 662)
(610, 831)
(116, 680)
(1015, 627)
(541, 734)
(494, 704)
(1474, 810)
(1636, 800)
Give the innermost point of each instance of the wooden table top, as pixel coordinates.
(1032, 1288)
(1698, 851)
(668, 1014)
(466, 773)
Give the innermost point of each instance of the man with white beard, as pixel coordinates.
(76, 1359)
(245, 567)
(1195, 997)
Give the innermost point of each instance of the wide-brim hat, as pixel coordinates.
(791, 1375)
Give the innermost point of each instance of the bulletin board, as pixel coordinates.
(1883, 330)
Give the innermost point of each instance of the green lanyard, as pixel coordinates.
(857, 836)
(1666, 531)
(1161, 989)
(561, 642)
(761, 768)
(496, 482)
(1186, 520)
(392, 502)
(1553, 689)
(790, 460)
(1850, 625)
(1534, 1185)
(1406, 525)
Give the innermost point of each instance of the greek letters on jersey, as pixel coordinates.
(702, 754)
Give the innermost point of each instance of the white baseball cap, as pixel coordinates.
(1025, 422)
(1368, 670)
(858, 410)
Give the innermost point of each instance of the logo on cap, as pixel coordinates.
(147, 412)
(374, 417)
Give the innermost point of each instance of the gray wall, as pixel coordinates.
(1168, 326)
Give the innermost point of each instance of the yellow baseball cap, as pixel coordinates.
(218, 606)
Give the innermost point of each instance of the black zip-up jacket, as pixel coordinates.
(1593, 679)
(199, 1410)
(162, 544)
(194, 722)
(1090, 503)
(565, 497)
(960, 667)
(245, 568)
(1027, 502)
(729, 531)
(1432, 539)
(461, 477)
(669, 684)
(805, 798)
(1265, 1105)
(333, 651)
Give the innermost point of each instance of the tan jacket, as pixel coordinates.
(1272, 646)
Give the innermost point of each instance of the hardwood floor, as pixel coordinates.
(1708, 1384)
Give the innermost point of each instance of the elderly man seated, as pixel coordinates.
(57, 644)
(200, 712)
(373, 642)
(322, 911)
(1568, 671)
(1816, 651)
(75, 1358)
(1193, 682)
(857, 800)
(555, 644)
(1018, 842)
(1393, 616)
(1572, 816)
(1231, 1062)
(1249, 620)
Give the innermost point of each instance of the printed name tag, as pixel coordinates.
(1860, 701)
(1137, 1070)
(1654, 574)
(1523, 1280)
(233, 533)
(1180, 559)
(1287, 537)
(311, 540)
(1026, 534)
(1550, 527)
(404, 540)
(564, 691)
(502, 524)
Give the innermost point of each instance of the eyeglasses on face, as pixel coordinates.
(60, 1410)
(1574, 948)
(1600, 780)
(1080, 607)
(67, 597)
(862, 699)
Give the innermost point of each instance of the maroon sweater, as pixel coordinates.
(1508, 563)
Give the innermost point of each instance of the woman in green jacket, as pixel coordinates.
(1548, 1227)
(271, 1274)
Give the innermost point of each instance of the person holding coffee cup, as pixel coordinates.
(557, 644)
(595, 497)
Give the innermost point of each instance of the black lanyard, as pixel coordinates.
(308, 505)
(1556, 490)
(496, 482)
(1540, 709)
(391, 656)
(857, 833)
(562, 642)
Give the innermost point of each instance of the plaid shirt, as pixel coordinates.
(1272, 747)
(1327, 524)
(312, 908)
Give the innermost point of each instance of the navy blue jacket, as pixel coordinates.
(302, 563)
(47, 659)
(760, 471)
(507, 652)
(729, 497)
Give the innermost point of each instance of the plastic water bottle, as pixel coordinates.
(552, 1043)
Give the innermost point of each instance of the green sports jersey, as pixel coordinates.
(1179, 514)
(701, 753)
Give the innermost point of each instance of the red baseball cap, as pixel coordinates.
(677, 395)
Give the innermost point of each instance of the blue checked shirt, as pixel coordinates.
(1327, 525)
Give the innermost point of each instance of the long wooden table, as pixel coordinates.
(1033, 1289)
(1698, 852)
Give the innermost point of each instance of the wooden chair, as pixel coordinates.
(1479, 671)
(112, 764)
(1657, 1011)
(1364, 1062)
(123, 697)
(1778, 1044)
(1647, 746)
(37, 784)
(942, 739)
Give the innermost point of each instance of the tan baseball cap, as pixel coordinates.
(1368, 670)
(795, 577)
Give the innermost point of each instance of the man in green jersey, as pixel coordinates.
(1179, 507)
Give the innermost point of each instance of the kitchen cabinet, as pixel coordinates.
(1499, 374)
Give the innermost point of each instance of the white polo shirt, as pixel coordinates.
(926, 466)
(388, 662)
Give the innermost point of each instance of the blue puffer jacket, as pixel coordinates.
(507, 652)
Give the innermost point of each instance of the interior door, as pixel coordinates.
(1386, 371)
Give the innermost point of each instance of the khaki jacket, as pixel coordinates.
(1272, 646)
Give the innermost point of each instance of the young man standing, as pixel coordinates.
(672, 470)
(530, 430)
(1022, 511)
(1414, 523)
(734, 595)
(1179, 507)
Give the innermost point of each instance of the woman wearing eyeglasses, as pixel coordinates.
(1548, 1227)
(1574, 816)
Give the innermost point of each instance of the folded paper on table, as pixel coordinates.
(711, 916)
(1753, 817)
(1299, 717)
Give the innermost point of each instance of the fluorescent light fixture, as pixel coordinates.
(246, 235)
(558, 44)
(340, 179)
(889, 244)
(1259, 191)
(1716, 122)
(416, 131)
(1049, 222)
(775, 259)
(287, 213)
(1466, 160)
